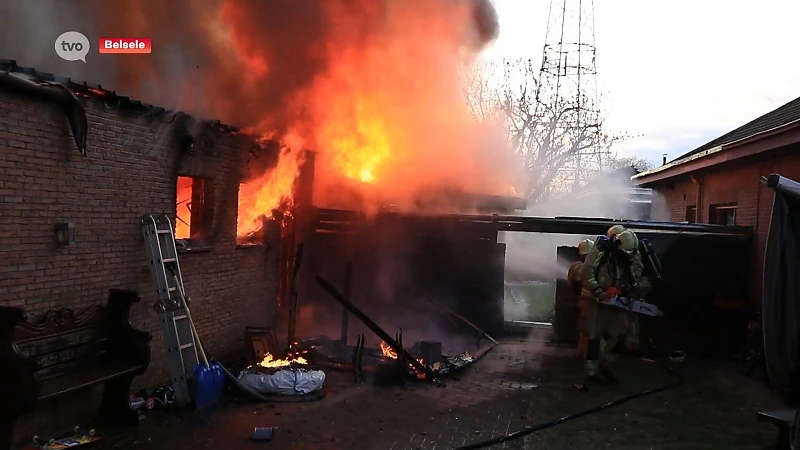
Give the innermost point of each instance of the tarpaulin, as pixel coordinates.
(781, 291)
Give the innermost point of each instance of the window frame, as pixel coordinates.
(715, 211)
(200, 219)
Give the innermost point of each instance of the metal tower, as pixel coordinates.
(567, 84)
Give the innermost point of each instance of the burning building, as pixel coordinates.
(138, 159)
(373, 88)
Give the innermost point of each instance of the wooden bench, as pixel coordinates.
(781, 418)
(64, 351)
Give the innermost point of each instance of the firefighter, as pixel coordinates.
(616, 269)
(612, 231)
(574, 281)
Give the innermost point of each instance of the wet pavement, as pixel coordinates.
(518, 383)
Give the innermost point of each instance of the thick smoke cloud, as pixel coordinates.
(372, 85)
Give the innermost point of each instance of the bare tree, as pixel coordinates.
(482, 91)
(555, 134)
(618, 162)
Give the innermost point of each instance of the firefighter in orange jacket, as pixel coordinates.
(616, 268)
(574, 281)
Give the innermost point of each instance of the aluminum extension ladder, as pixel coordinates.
(159, 239)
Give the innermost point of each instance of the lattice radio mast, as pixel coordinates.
(567, 80)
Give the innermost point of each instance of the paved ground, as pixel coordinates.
(517, 384)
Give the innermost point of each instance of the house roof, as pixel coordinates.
(86, 89)
(785, 114)
(777, 120)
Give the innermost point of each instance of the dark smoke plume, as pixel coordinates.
(195, 66)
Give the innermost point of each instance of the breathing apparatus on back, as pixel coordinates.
(652, 264)
(619, 249)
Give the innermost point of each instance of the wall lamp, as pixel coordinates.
(65, 233)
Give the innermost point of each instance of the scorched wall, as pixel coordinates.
(130, 170)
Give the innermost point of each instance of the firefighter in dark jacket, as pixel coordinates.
(575, 283)
(616, 270)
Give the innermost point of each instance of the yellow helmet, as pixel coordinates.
(628, 242)
(614, 230)
(585, 246)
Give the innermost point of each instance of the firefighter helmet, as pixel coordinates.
(585, 246)
(614, 230)
(628, 242)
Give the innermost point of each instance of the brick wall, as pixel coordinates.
(130, 170)
(736, 183)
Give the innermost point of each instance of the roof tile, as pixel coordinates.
(783, 115)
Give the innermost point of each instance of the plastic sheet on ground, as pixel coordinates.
(284, 382)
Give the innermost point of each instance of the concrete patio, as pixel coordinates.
(520, 382)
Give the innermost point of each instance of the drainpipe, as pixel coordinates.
(698, 199)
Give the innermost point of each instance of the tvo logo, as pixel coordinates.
(72, 46)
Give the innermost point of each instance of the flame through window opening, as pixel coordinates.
(190, 208)
(183, 212)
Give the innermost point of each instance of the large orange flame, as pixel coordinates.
(373, 86)
(258, 197)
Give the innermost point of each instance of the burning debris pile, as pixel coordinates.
(428, 362)
(285, 376)
(426, 353)
(423, 361)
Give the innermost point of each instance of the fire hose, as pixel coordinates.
(676, 357)
(552, 423)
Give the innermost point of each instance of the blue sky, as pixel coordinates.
(678, 73)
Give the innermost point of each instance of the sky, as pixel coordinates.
(673, 74)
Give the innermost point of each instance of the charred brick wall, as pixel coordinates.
(736, 183)
(130, 170)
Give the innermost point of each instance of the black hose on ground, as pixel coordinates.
(544, 425)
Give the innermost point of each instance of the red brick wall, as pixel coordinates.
(130, 170)
(736, 182)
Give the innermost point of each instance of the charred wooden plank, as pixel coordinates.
(401, 352)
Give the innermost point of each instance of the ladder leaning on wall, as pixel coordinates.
(159, 239)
